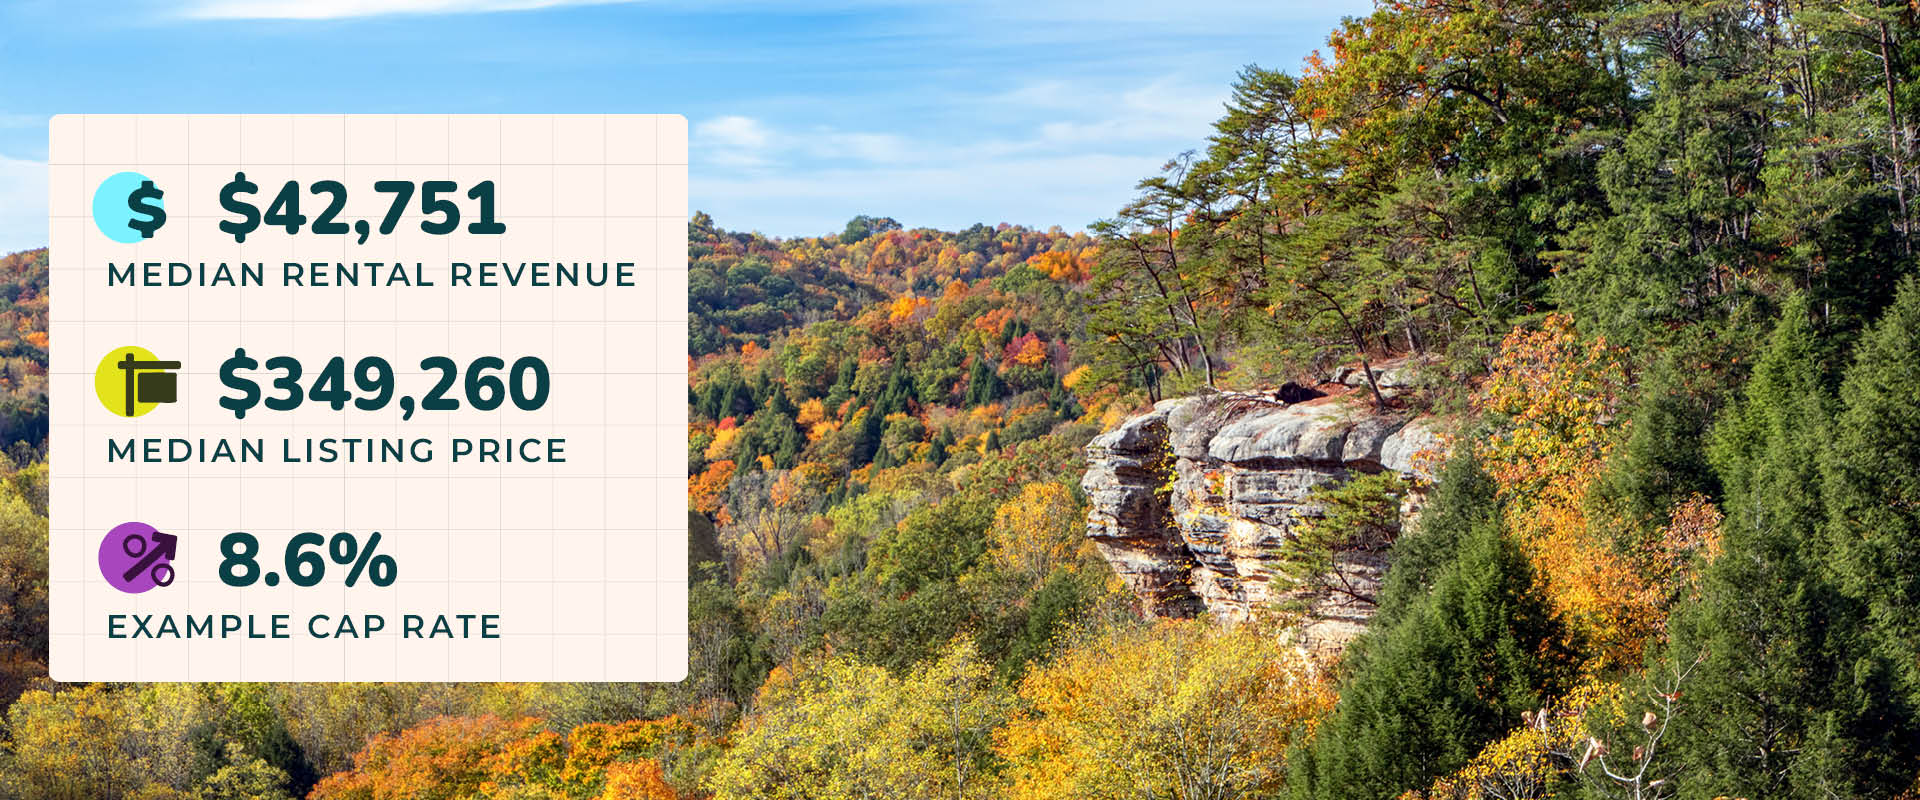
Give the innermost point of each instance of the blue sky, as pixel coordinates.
(936, 113)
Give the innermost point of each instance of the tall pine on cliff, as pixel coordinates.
(1452, 672)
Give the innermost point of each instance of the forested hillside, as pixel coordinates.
(1652, 262)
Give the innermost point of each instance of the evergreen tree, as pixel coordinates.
(1463, 499)
(1780, 706)
(983, 384)
(843, 384)
(792, 441)
(735, 400)
(1683, 180)
(1426, 693)
(941, 444)
(866, 443)
(1873, 482)
(1664, 459)
(893, 399)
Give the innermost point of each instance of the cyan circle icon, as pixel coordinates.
(113, 211)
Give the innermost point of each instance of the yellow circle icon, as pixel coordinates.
(132, 381)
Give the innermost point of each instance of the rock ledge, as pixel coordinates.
(1192, 501)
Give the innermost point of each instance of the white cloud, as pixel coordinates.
(1037, 192)
(1078, 156)
(23, 204)
(1068, 120)
(344, 9)
(884, 148)
(1161, 110)
(746, 142)
(734, 140)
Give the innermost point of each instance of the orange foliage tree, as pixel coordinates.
(1560, 399)
(705, 490)
(454, 758)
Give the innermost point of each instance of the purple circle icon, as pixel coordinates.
(136, 557)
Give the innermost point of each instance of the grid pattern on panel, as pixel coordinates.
(584, 561)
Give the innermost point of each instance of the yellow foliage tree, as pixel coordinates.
(490, 758)
(1176, 709)
(1031, 353)
(842, 730)
(1527, 763)
(1039, 530)
(704, 491)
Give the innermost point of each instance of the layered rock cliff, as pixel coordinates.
(1192, 502)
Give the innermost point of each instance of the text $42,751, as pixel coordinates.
(441, 211)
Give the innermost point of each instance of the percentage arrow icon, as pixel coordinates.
(164, 544)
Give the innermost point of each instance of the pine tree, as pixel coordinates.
(866, 445)
(983, 384)
(1464, 499)
(941, 445)
(893, 399)
(1775, 707)
(1873, 485)
(842, 388)
(1664, 459)
(1425, 694)
(1767, 445)
(1682, 181)
(792, 441)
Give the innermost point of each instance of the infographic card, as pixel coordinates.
(368, 398)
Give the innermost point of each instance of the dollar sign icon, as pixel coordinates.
(249, 391)
(146, 200)
(249, 216)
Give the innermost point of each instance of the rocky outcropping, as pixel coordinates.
(1192, 502)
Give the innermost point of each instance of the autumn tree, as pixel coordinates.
(23, 585)
(1037, 577)
(150, 741)
(1037, 532)
(1176, 709)
(492, 757)
(1556, 400)
(907, 602)
(841, 729)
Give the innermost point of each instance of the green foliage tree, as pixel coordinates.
(1682, 179)
(1158, 302)
(1450, 675)
(1464, 500)
(1361, 514)
(1664, 458)
(1782, 703)
(1872, 489)
(908, 602)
